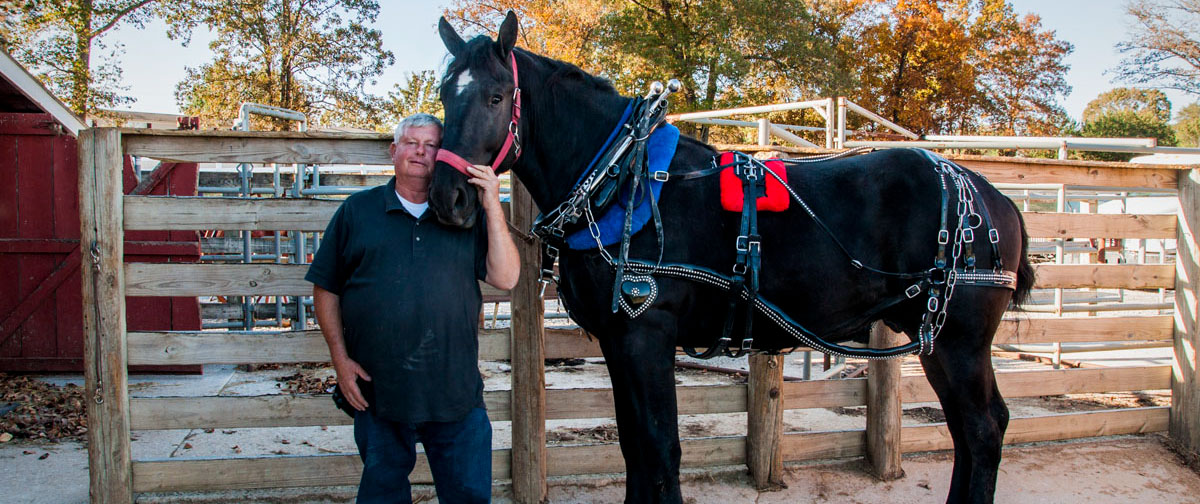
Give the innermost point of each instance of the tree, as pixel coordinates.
(62, 41)
(1187, 125)
(312, 56)
(1150, 103)
(418, 94)
(1163, 49)
(1021, 72)
(1126, 124)
(960, 65)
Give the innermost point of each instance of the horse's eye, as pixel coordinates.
(496, 99)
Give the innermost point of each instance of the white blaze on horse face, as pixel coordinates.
(464, 80)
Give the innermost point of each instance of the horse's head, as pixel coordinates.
(478, 93)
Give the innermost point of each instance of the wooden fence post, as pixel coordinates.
(764, 420)
(883, 407)
(102, 247)
(528, 363)
(1185, 394)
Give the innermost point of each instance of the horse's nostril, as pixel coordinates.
(460, 200)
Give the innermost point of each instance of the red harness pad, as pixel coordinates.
(776, 198)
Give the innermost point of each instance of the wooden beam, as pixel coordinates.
(1050, 428)
(105, 378)
(916, 389)
(265, 411)
(285, 410)
(195, 213)
(825, 393)
(1018, 329)
(281, 471)
(68, 268)
(212, 146)
(1077, 173)
(259, 279)
(1111, 276)
(266, 347)
(528, 362)
(1185, 383)
(1074, 225)
(883, 407)
(764, 420)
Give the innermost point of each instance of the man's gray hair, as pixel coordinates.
(415, 121)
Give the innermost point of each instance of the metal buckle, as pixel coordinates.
(743, 243)
(968, 235)
(746, 343)
(937, 276)
(932, 304)
(661, 176)
(551, 250)
(913, 290)
(993, 236)
(943, 237)
(739, 268)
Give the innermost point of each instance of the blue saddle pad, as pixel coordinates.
(660, 149)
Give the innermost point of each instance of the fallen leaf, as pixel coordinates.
(284, 441)
(228, 431)
(5, 437)
(28, 452)
(187, 446)
(237, 449)
(44, 456)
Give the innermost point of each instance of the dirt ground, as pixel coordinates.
(1118, 470)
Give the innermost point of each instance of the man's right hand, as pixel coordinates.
(348, 373)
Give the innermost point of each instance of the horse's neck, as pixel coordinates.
(564, 136)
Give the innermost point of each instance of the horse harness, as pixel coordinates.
(620, 168)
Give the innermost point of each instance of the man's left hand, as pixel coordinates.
(487, 183)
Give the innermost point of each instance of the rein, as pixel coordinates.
(512, 141)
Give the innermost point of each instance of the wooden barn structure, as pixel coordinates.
(112, 345)
(41, 313)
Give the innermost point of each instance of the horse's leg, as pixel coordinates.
(642, 367)
(961, 373)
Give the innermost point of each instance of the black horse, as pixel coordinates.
(882, 207)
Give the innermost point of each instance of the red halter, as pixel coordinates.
(511, 142)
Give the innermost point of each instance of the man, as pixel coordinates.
(397, 297)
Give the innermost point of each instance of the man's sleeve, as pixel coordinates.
(328, 270)
(481, 247)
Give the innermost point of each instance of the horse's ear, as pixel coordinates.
(450, 38)
(508, 34)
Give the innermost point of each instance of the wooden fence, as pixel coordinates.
(110, 349)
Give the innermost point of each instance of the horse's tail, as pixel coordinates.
(1024, 269)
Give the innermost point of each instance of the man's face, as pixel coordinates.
(416, 151)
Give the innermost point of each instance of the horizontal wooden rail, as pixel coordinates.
(1075, 225)
(186, 279)
(267, 347)
(1056, 382)
(191, 213)
(1105, 276)
(1050, 428)
(1076, 173)
(189, 279)
(212, 146)
(304, 410)
(330, 470)
(1017, 329)
(263, 347)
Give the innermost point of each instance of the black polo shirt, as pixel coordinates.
(410, 303)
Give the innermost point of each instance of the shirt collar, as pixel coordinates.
(391, 202)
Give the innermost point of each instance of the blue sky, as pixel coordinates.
(153, 64)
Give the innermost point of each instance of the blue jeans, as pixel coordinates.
(459, 455)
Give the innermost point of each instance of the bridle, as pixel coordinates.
(512, 141)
